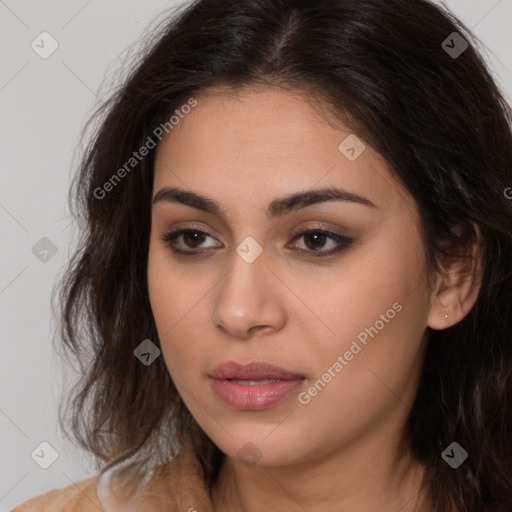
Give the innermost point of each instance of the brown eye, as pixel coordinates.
(193, 238)
(315, 240)
(190, 238)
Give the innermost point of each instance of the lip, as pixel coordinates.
(255, 396)
(253, 371)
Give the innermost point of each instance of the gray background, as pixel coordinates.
(44, 104)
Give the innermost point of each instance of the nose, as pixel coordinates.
(249, 300)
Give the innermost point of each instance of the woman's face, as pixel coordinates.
(343, 319)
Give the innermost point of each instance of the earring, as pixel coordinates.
(445, 316)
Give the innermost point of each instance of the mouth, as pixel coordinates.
(248, 382)
(252, 372)
(254, 386)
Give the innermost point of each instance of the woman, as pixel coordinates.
(296, 277)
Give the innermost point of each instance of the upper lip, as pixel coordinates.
(251, 371)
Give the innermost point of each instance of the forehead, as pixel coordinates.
(265, 142)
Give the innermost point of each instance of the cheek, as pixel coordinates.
(368, 374)
(171, 291)
(176, 300)
(377, 316)
(361, 288)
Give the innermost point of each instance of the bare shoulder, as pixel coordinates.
(77, 497)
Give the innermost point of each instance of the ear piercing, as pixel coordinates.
(445, 316)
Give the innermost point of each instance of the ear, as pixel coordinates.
(457, 286)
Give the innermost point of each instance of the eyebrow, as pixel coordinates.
(276, 208)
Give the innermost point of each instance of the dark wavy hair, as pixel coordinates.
(440, 121)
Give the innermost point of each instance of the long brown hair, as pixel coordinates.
(387, 71)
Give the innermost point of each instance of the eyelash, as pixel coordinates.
(343, 242)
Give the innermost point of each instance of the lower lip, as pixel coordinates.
(254, 397)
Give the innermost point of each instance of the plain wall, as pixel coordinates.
(44, 104)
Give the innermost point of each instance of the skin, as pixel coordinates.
(340, 451)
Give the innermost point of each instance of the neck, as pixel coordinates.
(344, 480)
